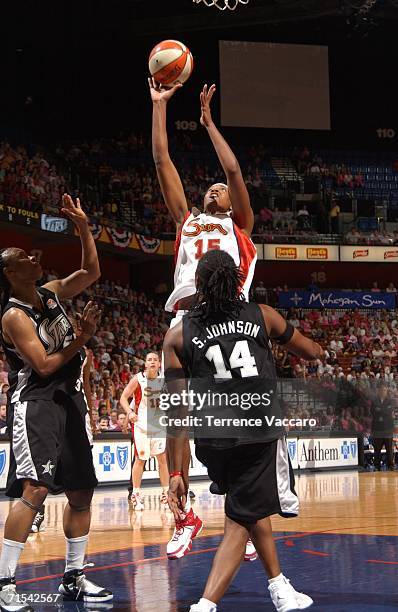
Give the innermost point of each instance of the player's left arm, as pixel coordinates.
(176, 435)
(242, 212)
(90, 270)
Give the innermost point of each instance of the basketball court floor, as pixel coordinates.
(342, 550)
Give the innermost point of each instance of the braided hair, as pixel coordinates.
(218, 282)
(4, 283)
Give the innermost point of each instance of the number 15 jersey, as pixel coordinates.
(200, 234)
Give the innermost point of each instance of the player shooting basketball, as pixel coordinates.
(225, 223)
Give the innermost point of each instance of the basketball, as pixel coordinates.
(170, 62)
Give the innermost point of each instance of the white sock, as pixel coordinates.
(276, 579)
(9, 558)
(207, 605)
(75, 552)
(187, 506)
(136, 490)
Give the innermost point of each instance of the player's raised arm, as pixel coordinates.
(241, 210)
(126, 397)
(19, 331)
(285, 334)
(90, 270)
(169, 179)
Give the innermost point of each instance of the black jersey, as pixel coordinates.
(55, 332)
(233, 356)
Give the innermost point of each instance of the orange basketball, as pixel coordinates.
(170, 62)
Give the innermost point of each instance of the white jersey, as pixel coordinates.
(203, 233)
(146, 397)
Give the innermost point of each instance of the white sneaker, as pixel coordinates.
(137, 502)
(9, 600)
(285, 598)
(185, 531)
(250, 552)
(76, 587)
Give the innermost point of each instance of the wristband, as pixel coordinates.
(172, 474)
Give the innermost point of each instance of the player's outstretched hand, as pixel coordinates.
(176, 497)
(161, 93)
(90, 319)
(74, 211)
(205, 99)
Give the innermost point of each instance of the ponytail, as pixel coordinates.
(218, 286)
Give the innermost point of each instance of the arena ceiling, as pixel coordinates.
(70, 23)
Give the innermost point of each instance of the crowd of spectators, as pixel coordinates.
(381, 238)
(311, 164)
(29, 181)
(361, 352)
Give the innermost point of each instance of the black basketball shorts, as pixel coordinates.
(49, 444)
(257, 478)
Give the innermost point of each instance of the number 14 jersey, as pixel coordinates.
(233, 357)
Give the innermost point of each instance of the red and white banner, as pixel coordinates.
(148, 245)
(119, 237)
(374, 254)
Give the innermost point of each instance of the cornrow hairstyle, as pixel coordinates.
(219, 284)
(4, 284)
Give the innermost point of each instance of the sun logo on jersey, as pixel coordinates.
(198, 228)
(53, 333)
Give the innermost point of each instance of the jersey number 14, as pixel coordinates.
(240, 358)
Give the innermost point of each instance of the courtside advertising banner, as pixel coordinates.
(336, 299)
(4, 463)
(301, 252)
(369, 254)
(323, 452)
(112, 460)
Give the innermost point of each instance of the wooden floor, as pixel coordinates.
(334, 502)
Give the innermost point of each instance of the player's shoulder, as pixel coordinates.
(15, 314)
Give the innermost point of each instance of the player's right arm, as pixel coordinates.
(298, 344)
(169, 179)
(19, 331)
(126, 396)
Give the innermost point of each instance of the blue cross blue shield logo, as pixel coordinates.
(107, 458)
(2, 461)
(353, 448)
(292, 448)
(345, 450)
(122, 454)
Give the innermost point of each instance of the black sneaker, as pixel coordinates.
(76, 587)
(9, 600)
(191, 494)
(38, 520)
